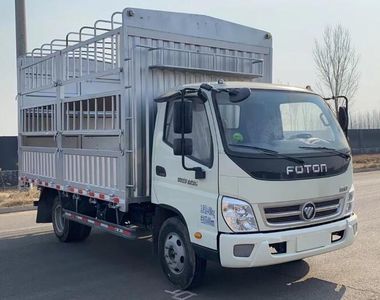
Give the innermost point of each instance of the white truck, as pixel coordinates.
(165, 125)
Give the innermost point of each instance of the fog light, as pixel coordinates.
(337, 236)
(243, 250)
(277, 248)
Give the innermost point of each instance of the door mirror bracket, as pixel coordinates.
(342, 114)
(183, 123)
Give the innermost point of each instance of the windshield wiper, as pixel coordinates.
(270, 152)
(341, 154)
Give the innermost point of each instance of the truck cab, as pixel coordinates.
(260, 174)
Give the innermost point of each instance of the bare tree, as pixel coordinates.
(365, 120)
(337, 63)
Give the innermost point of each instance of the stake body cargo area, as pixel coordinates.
(86, 109)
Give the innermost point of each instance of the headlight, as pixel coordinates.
(238, 215)
(350, 198)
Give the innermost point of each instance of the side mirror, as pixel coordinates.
(238, 95)
(183, 117)
(343, 118)
(185, 148)
(183, 124)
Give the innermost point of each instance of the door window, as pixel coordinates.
(201, 134)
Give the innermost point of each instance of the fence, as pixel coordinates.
(364, 141)
(8, 179)
(8, 153)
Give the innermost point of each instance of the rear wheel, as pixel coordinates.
(66, 230)
(178, 260)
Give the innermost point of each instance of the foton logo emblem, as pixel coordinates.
(308, 211)
(307, 169)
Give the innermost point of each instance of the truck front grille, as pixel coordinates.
(290, 214)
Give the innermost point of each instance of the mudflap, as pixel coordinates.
(45, 204)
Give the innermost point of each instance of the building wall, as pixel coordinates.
(364, 141)
(8, 153)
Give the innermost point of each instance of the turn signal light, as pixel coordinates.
(198, 235)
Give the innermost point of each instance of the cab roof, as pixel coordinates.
(251, 85)
(230, 85)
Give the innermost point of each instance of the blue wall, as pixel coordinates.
(364, 141)
(8, 153)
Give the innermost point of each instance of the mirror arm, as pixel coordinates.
(199, 172)
(346, 102)
(336, 97)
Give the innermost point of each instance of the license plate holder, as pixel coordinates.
(313, 240)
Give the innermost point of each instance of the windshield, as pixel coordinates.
(281, 121)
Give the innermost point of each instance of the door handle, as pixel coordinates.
(160, 171)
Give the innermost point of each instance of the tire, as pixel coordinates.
(65, 230)
(178, 260)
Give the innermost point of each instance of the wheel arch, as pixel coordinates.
(161, 214)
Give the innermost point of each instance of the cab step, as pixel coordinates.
(130, 232)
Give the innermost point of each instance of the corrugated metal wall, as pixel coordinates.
(364, 141)
(8, 162)
(8, 153)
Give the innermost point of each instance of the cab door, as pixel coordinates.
(172, 185)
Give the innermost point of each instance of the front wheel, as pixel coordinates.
(178, 260)
(64, 229)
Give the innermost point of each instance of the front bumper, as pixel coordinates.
(300, 243)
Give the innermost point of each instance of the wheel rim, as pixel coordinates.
(59, 220)
(174, 253)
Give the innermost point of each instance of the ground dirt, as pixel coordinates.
(15, 197)
(366, 161)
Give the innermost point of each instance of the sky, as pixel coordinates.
(294, 24)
